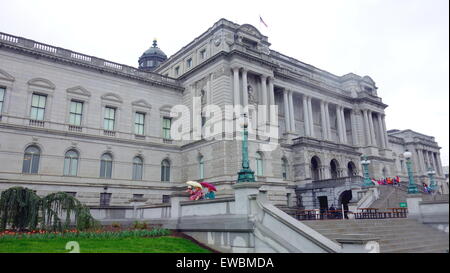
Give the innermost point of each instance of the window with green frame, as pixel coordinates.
(76, 112)
(110, 116)
(167, 123)
(139, 119)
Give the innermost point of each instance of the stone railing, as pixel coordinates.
(336, 182)
(82, 59)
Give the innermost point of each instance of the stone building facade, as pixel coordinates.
(100, 130)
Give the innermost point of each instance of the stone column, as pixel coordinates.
(367, 128)
(372, 130)
(386, 139)
(311, 119)
(353, 124)
(382, 133)
(287, 120)
(327, 119)
(291, 111)
(323, 120)
(244, 89)
(344, 127)
(306, 115)
(438, 158)
(436, 166)
(264, 92)
(236, 85)
(339, 123)
(272, 116)
(421, 162)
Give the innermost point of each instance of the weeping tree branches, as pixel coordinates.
(22, 208)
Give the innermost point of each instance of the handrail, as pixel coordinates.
(309, 233)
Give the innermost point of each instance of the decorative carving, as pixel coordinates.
(250, 30)
(112, 97)
(5, 76)
(251, 95)
(142, 103)
(40, 82)
(78, 90)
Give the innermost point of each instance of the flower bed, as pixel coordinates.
(75, 234)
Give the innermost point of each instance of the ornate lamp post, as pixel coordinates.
(412, 187)
(365, 163)
(245, 174)
(433, 185)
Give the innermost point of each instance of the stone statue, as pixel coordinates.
(251, 95)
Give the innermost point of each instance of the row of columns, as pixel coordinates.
(369, 128)
(429, 159)
(309, 121)
(267, 90)
(268, 98)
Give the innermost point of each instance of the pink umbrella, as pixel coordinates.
(208, 185)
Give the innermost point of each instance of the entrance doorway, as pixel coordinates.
(323, 202)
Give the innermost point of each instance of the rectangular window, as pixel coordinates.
(38, 107)
(2, 98)
(203, 54)
(110, 116)
(166, 128)
(138, 196)
(177, 70)
(166, 198)
(76, 112)
(105, 199)
(189, 62)
(139, 119)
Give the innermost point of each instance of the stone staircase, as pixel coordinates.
(390, 197)
(396, 235)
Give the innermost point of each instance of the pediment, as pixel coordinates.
(5, 76)
(141, 103)
(112, 97)
(78, 90)
(251, 30)
(41, 82)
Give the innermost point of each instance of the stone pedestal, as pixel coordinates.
(241, 193)
(413, 201)
(175, 199)
(359, 243)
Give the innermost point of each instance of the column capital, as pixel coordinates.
(244, 70)
(264, 77)
(235, 68)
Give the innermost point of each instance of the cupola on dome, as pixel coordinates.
(152, 57)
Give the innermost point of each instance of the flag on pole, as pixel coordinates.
(262, 21)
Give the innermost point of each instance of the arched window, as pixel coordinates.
(71, 163)
(137, 168)
(106, 166)
(285, 168)
(201, 167)
(315, 165)
(31, 159)
(259, 164)
(334, 165)
(351, 169)
(165, 170)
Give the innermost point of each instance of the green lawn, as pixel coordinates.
(163, 244)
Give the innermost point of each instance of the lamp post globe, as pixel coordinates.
(412, 187)
(433, 185)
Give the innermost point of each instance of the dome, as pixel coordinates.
(152, 57)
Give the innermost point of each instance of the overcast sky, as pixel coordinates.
(402, 44)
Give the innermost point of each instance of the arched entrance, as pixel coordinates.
(334, 166)
(315, 164)
(351, 169)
